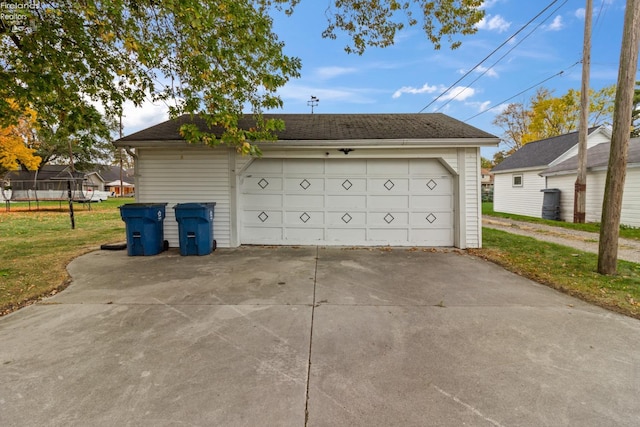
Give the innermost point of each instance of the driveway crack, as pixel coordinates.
(313, 311)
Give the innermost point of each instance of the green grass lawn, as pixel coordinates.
(564, 268)
(37, 245)
(625, 232)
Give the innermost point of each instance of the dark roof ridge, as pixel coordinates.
(334, 126)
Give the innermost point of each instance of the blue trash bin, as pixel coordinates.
(195, 228)
(144, 224)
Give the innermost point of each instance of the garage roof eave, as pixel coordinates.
(383, 143)
(378, 143)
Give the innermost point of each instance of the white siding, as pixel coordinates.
(631, 199)
(595, 195)
(472, 193)
(182, 176)
(193, 174)
(525, 200)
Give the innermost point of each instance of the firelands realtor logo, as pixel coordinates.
(16, 16)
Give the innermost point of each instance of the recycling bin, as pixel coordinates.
(144, 224)
(195, 228)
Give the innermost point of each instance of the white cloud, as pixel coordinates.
(580, 13)
(458, 93)
(488, 4)
(326, 73)
(138, 118)
(494, 23)
(480, 69)
(414, 91)
(556, 25)
(482, 106)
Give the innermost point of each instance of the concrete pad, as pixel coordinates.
(154, 365)
(314, 337)
(400, 276)
(247, 275)
(453, 366)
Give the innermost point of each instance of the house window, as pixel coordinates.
(517, 180)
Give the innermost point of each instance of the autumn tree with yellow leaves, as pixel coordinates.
(17, 144)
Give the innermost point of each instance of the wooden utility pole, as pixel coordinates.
(616, 172)
(580, 193)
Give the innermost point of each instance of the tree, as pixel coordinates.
(617, 168)
(498, 157)
(14, 144)
(556, 116)
(212, 58)
(486, 163)
(514, 121)
(635, 114)
(82, 140)
(547, 116)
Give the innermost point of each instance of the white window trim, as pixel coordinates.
(513, 180)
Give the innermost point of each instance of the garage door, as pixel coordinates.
(347, 202)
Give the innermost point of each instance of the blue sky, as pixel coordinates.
(407, 77)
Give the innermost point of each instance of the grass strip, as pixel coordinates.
(565, 269)
(37, 246)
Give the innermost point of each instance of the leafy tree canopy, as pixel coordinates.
(215, 58)
(546, 116)
(15, 141)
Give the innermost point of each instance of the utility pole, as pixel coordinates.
(580, 193)
(616, 172)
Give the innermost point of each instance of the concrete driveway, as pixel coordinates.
(311, 336)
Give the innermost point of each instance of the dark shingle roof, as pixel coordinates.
(597, 157)
(46, 173)
(324, 127)
(540, 153)
(112, 173)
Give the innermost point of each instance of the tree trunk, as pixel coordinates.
(616, 172)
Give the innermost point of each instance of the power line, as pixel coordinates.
(521, 92)
(503, 56)
(488, 56)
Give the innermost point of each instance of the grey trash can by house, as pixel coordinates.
(551, 204)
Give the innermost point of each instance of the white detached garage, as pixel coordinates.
(330, 179)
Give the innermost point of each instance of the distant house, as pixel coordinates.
(563, 175)
(51, 182)
(107, 178)
(517, 180)
(486, 181)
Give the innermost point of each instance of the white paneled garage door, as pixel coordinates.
(347, 202)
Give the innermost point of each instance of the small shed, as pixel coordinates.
(329, 179)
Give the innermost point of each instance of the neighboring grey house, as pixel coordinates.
(329, 179)
(517, 181)
(50, 183)
(107, 178)
(563, 177)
